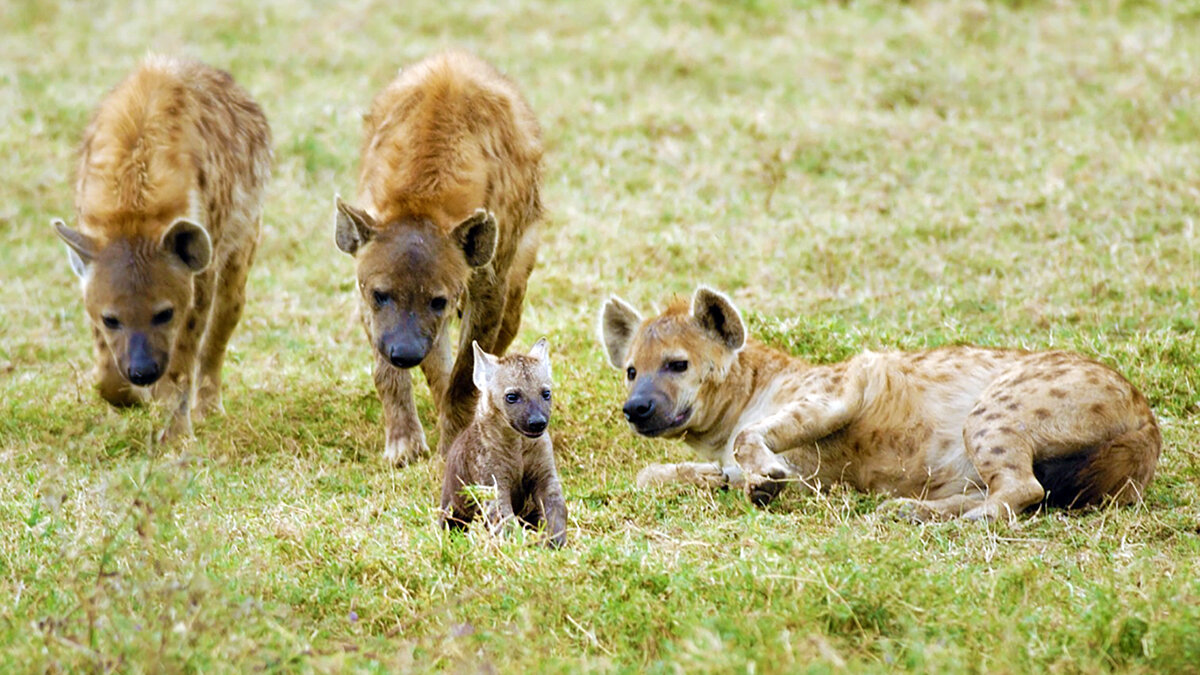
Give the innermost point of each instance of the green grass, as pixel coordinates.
(856, 175)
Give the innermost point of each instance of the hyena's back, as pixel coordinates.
(448, 135)
(175, 139)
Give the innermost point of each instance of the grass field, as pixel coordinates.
(855, 175)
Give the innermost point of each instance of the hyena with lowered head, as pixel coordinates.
(506, 446)
(949, 432)
(168, 199)
(445, 223)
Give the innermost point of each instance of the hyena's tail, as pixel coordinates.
(1118, 470)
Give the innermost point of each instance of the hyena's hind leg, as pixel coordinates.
(229, 301)
(1080, 425)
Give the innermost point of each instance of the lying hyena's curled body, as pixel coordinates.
(955, 431)
(168, 201)
(449, 203)
(506, 447)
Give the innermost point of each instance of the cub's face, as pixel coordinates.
(517, 385)
(137, 292)
(672, 362)
(411, 276)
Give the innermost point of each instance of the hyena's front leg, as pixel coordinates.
(177, 387)
(404, 437)
(481, 323)
(111, 384)
(227, 310)
(702, 474)
(553, 510)
(755, 446)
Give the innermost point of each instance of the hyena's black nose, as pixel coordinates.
(537, 425)
(144, 373)
(403, 358)
(638, 409)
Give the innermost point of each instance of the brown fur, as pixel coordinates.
(501, 449)
(168, 202)
(449, 197)
(955, 431)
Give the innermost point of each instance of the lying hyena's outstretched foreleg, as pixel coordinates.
(702, 474)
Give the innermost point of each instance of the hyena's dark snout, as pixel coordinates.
(533, 423)
(639, 409)
(143, 369)
(403, 351)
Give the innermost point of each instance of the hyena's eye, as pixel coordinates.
(546, 394)
(111, 322)
(677, 366)
(380, 298)
(437, 304)
(631, 372)
(164, 317)
(512, 397)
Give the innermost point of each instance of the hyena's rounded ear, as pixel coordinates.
(718, 317)
(352, 227)
(477, 236)
(540, 349)
(618, 323)
(81, 250)
(485, 367)
(190, 243)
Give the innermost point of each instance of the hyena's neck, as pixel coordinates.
(751, 378)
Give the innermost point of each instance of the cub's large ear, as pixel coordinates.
(190, 243)
(81, 250)
(485, 367)
(618, 323)
(477, 237)
(718, 317)
(352, 227)
(541, 351)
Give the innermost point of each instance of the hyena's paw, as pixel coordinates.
(121, 394)
(762, 490)
(208, 401)
(700, 474)
(402, 451)
(178, 426)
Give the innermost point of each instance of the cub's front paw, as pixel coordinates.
(178, 426)
(402, 451)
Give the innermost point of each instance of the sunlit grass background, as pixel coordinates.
(856, 175)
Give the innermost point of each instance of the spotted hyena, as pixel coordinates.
(445, 223)
(955, 431)
(167, 202)
(506, 447)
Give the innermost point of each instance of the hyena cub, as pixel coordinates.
(956, 431)
(446, 224)
(168, 201)
(506, 446)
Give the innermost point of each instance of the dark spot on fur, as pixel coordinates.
(947, 444)
(1007, 430)
(1003, 398)
(981, 433)
(1041, 414)
(1057, 393)
(1099, 409)
(191, 323)
(1014, 406)
(978, 411)
(1012, 467)
(991, 417)
(998, 450)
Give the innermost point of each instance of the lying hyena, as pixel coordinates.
(506, 446)
(956, 431)
(449, 202)
(168, 201)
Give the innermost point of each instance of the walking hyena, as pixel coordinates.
(955, 431)
(449, 202)
(506, 446)
(168, 201)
